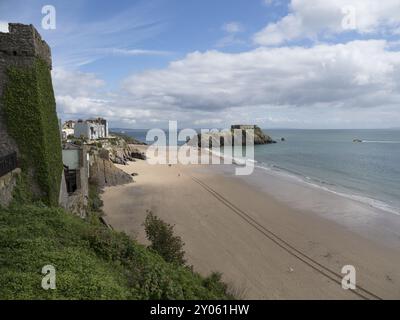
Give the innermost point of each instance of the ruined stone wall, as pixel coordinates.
(7, 184)
(18, 47)
(28, 118)
(22, 43)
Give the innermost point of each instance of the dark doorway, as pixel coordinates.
(70, 179)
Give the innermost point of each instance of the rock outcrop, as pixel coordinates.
(104, 173)
(121, 155)
(227, 137)
(118, 150)
(261, 138)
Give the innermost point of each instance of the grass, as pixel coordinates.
(91, 261)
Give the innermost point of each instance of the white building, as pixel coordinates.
(67, 132)
(68, 129)
(91, 129)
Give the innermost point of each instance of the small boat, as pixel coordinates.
(357, 140)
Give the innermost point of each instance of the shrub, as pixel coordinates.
(95, 203)
(163, 241)
(91, 261)
(214, 283)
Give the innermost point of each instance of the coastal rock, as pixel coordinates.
(136, 154)
(127, 139)
(227, 137)
(104, 173)
(261, 138)
(122, 155)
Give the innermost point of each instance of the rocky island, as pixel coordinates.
(223, 137)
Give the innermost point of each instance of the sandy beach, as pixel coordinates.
(264, 248)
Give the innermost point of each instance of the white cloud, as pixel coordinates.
(75, 82)
(83, 95)
(82, 105)
(232, 31)
(326, 82)
(313, 18)
(79, 93)
(272, 2)
(134, 52)
(207, 122)
(323, 86)
(232, 27)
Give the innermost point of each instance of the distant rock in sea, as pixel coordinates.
(221, 138)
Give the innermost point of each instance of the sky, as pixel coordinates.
(314, 64)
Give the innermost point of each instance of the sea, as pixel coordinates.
(367, 171)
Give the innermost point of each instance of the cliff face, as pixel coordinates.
(104, 173)
(121, 155)
(228, 137)
(261, 138)
(115, 150)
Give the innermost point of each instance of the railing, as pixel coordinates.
(8, 163)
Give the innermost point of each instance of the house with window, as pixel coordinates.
(91, 129)
(75, 185)
(68, 129)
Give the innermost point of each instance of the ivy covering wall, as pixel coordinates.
(30, 112)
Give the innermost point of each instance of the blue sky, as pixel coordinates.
(211, 63)
(170, 28)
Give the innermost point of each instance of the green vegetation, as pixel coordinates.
(30, 112)
(163, 241)
(77, 141)
(91, 261)
(21, 193)
(95, 203)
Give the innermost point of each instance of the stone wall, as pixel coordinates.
(28, 118)
(7, 185)
(7, 144)
(18, 47)
(77, 202)
(242, 127)
(22, 43)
